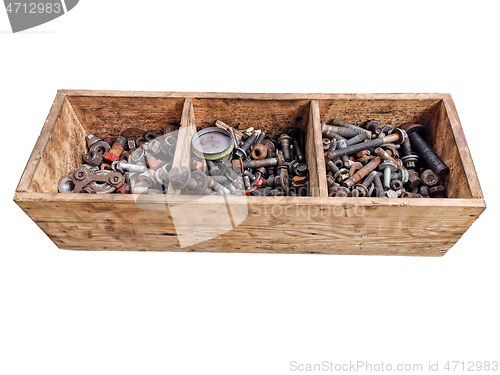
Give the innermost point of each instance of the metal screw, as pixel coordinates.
(415, 133)
(284, 142)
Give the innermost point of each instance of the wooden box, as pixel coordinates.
(315, 224)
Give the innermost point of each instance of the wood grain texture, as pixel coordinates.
(109, 116)
(276, 225)
(460, 146)
(187, 130)
(41, 143)
(255, 96)
(390, 112)
(271, 116)
(315, 155)
(62, 153)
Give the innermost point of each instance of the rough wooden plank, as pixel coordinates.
(314, 152)
(256, 96)
(62, 154)
(389, 111)
(41, 143)
(109, 116)
(187, 130)
(272, 117)
(283, 225)
(460, 144)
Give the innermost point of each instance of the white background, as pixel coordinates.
(64, 312)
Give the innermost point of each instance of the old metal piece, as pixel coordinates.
(391, 194)
(411, 195)
(379, 189)
(213, 169)
(347, 132)
(409, 158)
(385, 155)
(437, 191)
(152, 146)
(284, 142)
(413, 178)
(105, 167)
(330, 180)
(242, 152)
(212, 144)
(340, 191)
(397, 137)
(396, 184)
(237, 133)
(387, 167)
(357, 139)
(424, 191)
(133, 132)
(100, 182)
(401, 174)
(429, 177)
(148, 177)
(363, 188)
(359, 175)
(299, 181)
(240, 165)
(374, 126)
(91, 139)
(150, 135)
(161, 175)
(199, 165)
(116, 150)
(66, 185)
(333, 167)
(282, 178)
(152, 162)
(326, 144)
(354, 168)
(170, 129)
(92, 158)
(416, 132)
(122, 166)
(295, 134)
(341, 175)
(298, 168)
(181, 178)
(100, 147)
(214, 185)
(138, 156)
(259, 152)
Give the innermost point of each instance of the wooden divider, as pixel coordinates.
(187, 130)
(315, 155)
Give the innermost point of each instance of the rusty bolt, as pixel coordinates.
(429, 177)
(93, 158)
(374, 126)
(116, 150)
(259, 152)
(416, 132)
(326, 144)
(284, 142)
(437, 191)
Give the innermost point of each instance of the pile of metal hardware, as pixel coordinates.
(225, 161)
(249, 162)
(136, 161)
(372, 160)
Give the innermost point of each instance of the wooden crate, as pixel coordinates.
(316, 224)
